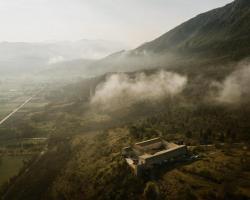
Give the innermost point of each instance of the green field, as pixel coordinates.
(13, 94)
(14, 151)
(10, 166)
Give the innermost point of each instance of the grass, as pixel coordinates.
(10, 166)
(214, 175)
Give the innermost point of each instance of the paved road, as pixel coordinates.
(15, 110)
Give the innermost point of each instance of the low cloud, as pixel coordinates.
(121, 90)
(235, 88)
(56, 59)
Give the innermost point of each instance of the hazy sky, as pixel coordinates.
(130, 21)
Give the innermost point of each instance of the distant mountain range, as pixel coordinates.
(20, 57)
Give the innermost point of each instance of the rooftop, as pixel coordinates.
(150, 148)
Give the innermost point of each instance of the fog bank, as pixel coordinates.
(235, 88)
(121, 90)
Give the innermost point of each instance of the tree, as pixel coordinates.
(189, 134)
(222, 137)
(151, 191)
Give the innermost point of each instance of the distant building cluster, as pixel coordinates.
(146, 154)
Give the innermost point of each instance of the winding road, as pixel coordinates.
(16, 110)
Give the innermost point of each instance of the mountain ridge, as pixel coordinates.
(203, 32)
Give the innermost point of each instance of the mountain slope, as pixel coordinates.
(219, 32)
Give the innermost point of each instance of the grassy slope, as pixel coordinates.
(97, 171)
